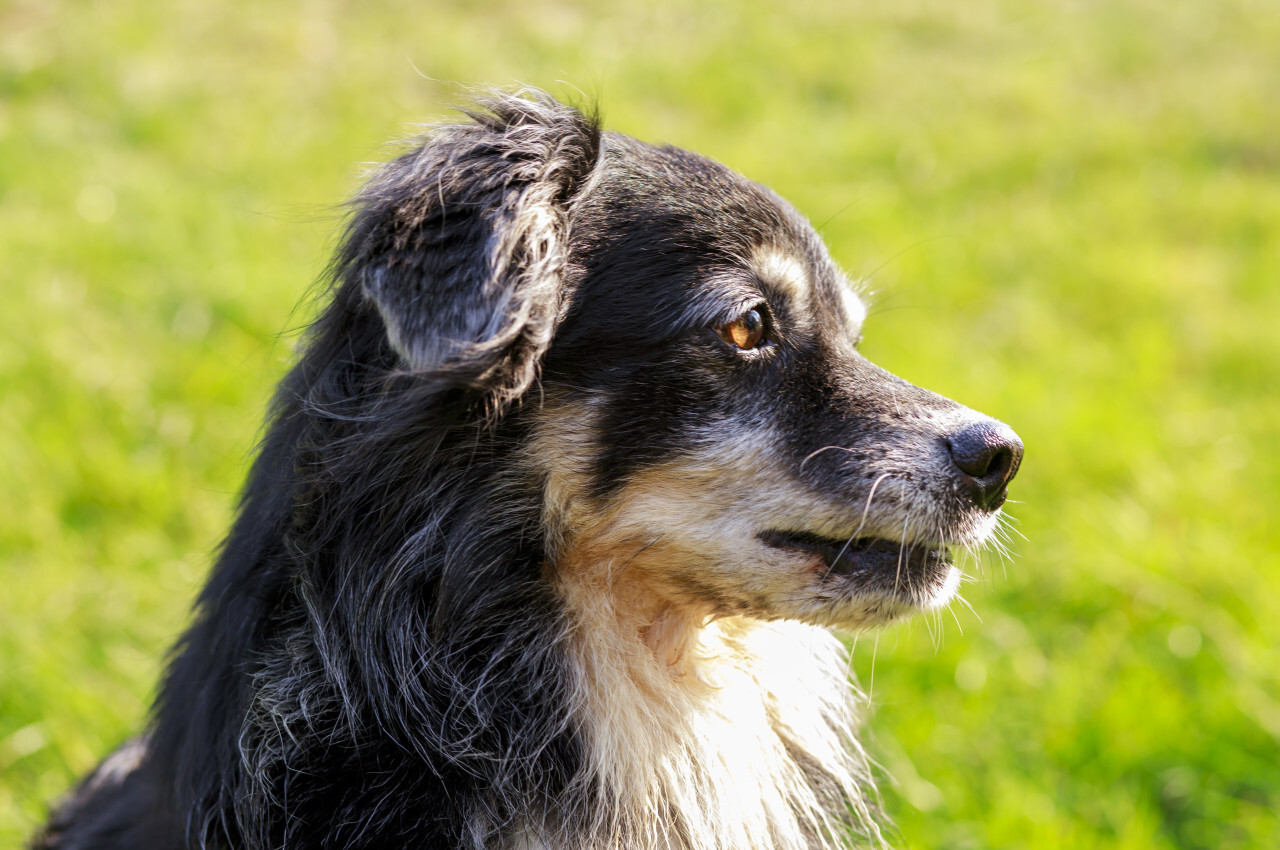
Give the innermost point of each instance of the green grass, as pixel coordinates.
(1071, 214)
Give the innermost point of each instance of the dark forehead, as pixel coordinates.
(676, 211)
(667, 191)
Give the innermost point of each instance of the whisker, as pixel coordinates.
(616, 572)
(817, 452)
(902, 548)
(866, 508)
(930, 623)
(965, 602)
(871, 685)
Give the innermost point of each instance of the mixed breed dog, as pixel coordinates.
(549, 522)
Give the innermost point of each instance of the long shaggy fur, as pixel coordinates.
(494, 581)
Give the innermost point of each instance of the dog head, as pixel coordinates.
(676, 355)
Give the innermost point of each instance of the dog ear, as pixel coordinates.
(461, 244)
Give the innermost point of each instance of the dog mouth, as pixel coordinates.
(866, 557)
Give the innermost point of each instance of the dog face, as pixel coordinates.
(678, 354)
(710, 430)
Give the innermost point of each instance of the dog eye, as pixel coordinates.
(745, 332)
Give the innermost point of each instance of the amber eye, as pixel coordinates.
(745, 332)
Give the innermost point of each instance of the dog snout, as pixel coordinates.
(987, 455)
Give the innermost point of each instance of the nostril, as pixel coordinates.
(988, 453)
(1000, 465)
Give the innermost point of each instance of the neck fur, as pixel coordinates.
(707, 733)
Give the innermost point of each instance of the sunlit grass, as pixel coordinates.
(1069, 214)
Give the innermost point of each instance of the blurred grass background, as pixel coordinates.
(1070, 212)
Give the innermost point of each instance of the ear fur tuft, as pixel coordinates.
(462, 243)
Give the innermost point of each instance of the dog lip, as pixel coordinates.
(861, 555)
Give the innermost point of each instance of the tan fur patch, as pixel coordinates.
(686, 532)
(704, 726)
(784, 273)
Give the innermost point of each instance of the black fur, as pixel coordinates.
(356, 649)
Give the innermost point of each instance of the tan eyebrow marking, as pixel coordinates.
(783, 272)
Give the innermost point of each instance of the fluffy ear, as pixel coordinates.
(461, 243)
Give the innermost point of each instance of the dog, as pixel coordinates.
(549, 523)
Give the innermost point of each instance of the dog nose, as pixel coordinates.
(987, 453)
